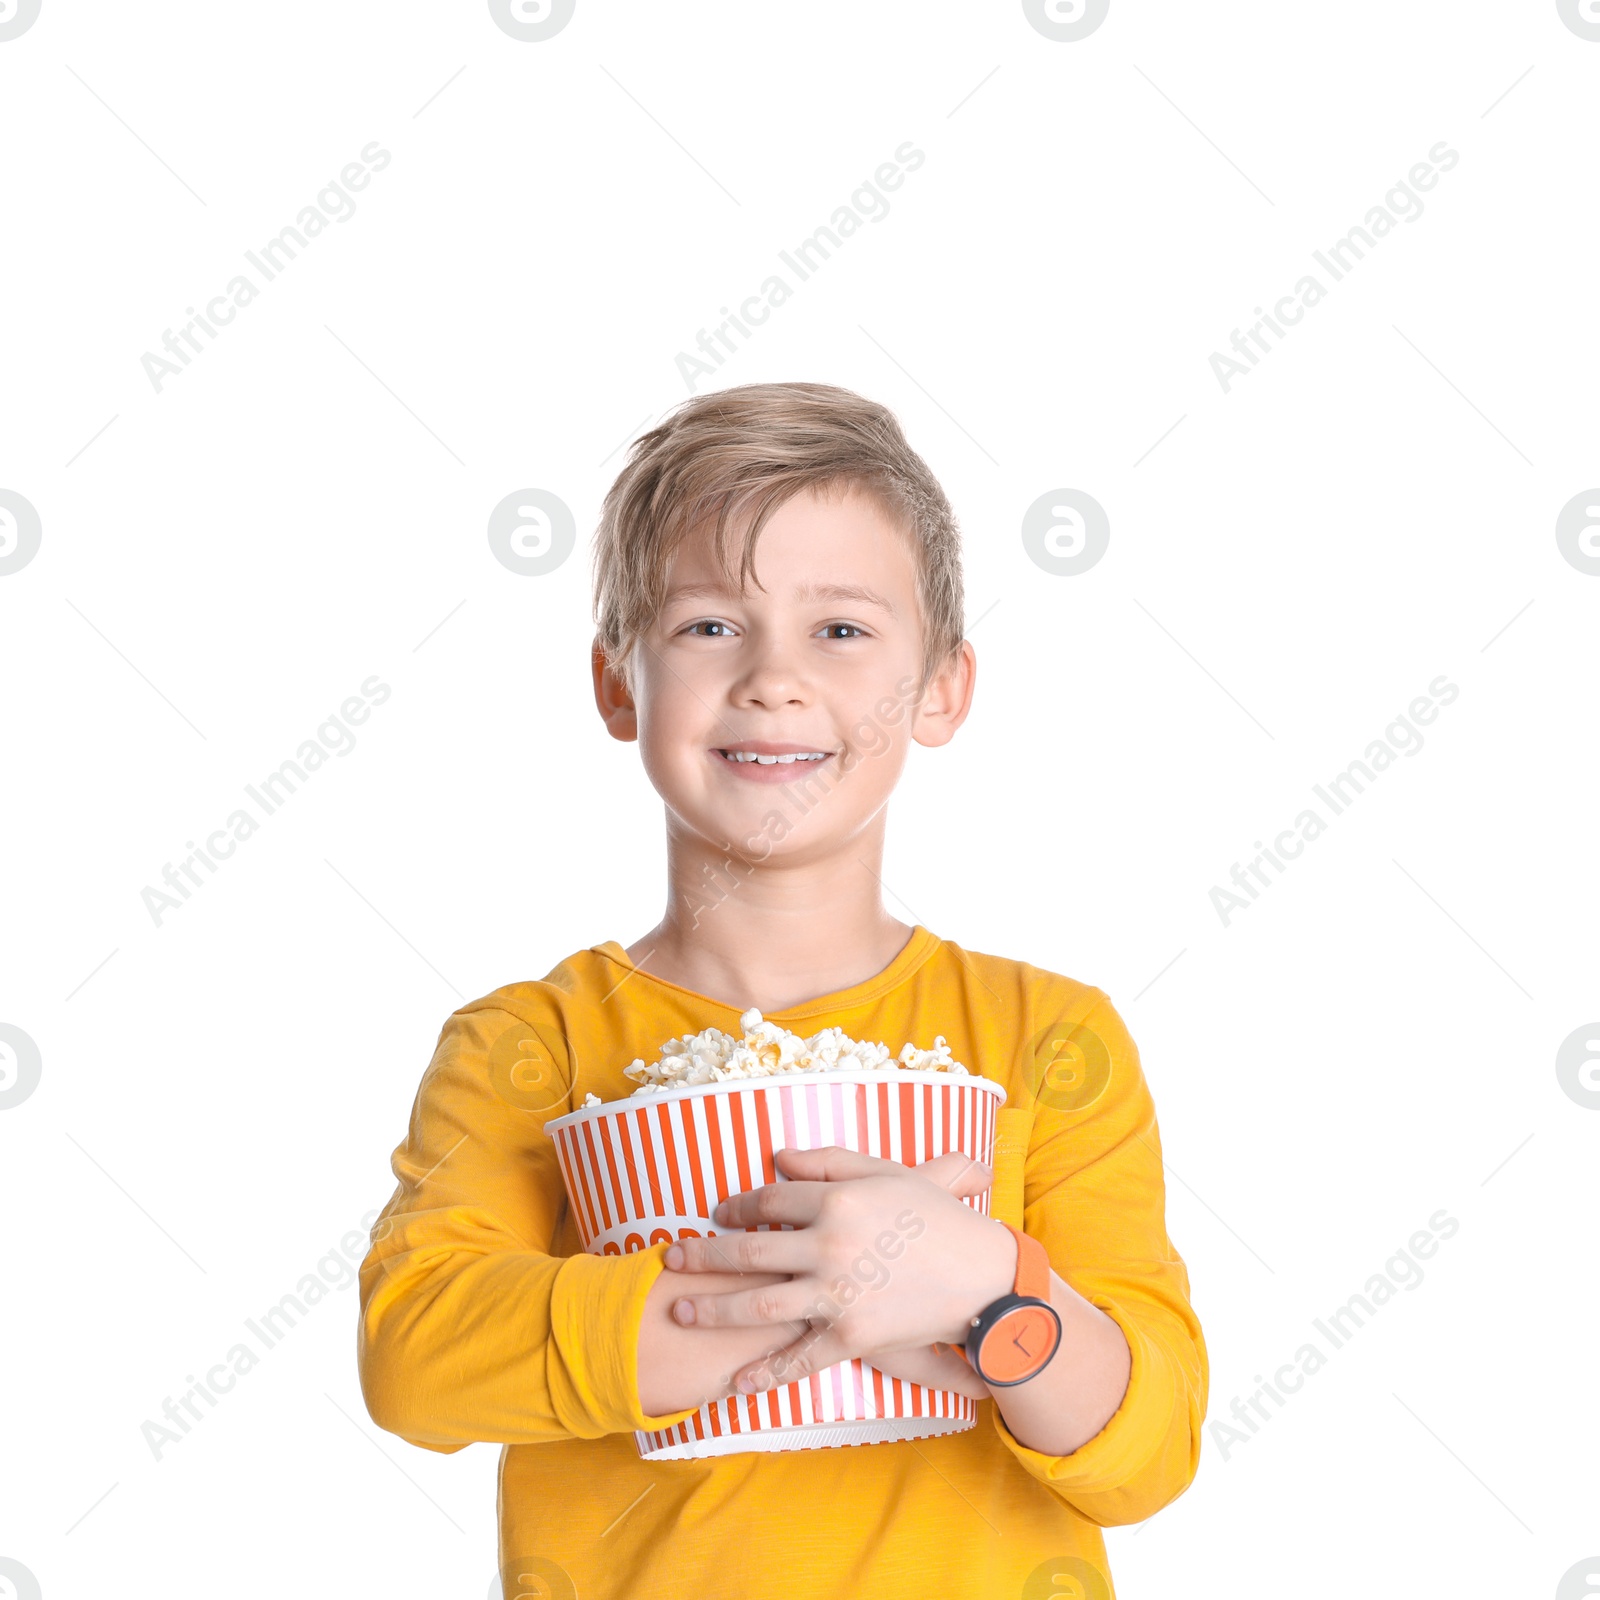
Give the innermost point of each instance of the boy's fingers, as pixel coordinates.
(777, 1251)
(810, 1353)
(832, 1162)
(796, 1202)
(958, 1173)
(717, 1254)
(766, 1306)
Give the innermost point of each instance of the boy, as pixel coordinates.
(774, 698)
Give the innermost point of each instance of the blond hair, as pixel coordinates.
(754, 447)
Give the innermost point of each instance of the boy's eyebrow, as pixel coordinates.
(806, 591)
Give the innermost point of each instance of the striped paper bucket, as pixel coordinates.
(650, 1169)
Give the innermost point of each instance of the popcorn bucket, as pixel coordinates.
(649, 1169)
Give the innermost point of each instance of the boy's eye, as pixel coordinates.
(850, 627)
(707, 622)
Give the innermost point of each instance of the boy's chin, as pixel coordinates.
(761, 829)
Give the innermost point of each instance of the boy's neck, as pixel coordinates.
(771, 936)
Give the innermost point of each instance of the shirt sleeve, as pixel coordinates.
(1094, 1196)
(469, 1328)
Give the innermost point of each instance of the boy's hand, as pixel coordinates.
(933, 1369)
(883, 1259)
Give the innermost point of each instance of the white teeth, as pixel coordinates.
(768, 761)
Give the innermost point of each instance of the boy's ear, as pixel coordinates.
(947, 699)
(612, 699)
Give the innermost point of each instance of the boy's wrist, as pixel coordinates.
(998, 1278)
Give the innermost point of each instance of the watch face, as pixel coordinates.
(1019, 1343)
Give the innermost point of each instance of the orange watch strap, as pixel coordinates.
(1033, 1267)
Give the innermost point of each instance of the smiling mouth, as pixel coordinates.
(744, 758)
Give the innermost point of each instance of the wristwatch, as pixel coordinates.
(1014, 1337)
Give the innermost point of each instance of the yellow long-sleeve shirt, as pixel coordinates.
(483, 1319)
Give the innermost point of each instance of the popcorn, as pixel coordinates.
(767, 1050)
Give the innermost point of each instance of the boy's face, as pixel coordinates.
(824, 661)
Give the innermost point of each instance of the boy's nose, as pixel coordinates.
(771, 679)
(773, 691)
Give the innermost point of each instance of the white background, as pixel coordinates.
(225, 561)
